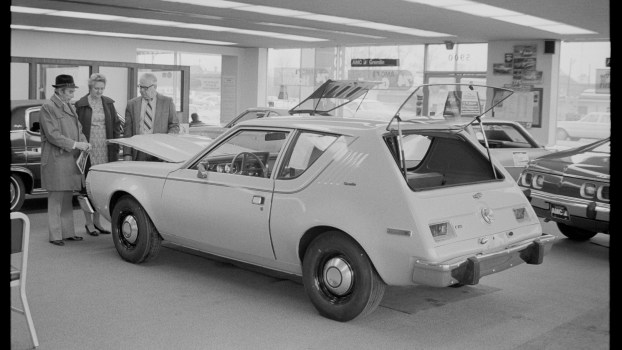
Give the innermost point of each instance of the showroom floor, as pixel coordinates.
(83, 296)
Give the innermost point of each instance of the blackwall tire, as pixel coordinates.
(133, 233)
(574, 233)
(339, 278)
(18, 192)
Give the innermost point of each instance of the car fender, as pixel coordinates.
(27, 176)
(107, 183)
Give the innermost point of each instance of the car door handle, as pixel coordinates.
(258, 200)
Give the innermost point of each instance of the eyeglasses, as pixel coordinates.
(145, 87)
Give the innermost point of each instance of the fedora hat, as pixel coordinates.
(64, 80)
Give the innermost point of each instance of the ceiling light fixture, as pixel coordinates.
(165, 23)
(275, 11)
(121, 35)
(501, 14)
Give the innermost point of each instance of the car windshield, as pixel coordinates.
(451, 102)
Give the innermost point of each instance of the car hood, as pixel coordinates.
(574, 162)
(174, 148)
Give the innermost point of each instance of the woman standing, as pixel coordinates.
(99, 121)
(61, 142)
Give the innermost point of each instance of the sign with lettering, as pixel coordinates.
(374, 62)
(603, 81)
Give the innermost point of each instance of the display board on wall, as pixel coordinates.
(524, 106)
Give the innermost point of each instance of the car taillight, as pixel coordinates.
(603, 193)
(439, 230)
(588, 190)
(538, 181)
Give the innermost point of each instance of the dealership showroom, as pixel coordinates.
(310, 174)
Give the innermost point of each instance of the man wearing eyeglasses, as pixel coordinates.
(149, 113)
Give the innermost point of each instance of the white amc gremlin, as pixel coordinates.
(350, 205)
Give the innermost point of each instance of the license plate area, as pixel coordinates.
(559, 212)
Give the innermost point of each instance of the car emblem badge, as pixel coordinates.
(488, 215)
(478, 195)
(483, 240)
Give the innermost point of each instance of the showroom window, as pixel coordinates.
(584, 98)
(294, 74)
(205, 75)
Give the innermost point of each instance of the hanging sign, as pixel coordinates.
(374, 62)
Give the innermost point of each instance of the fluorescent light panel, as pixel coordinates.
(121, 35)
(320, 30)
(85, 15)
(501, 14)
(311, 16)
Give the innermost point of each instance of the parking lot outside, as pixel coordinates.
(84, 296)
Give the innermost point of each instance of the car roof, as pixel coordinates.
(25, 103)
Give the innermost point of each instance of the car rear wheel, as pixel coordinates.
(339, 278)
(135, 237)
(18, 192)
(562, 135)
(574, 233)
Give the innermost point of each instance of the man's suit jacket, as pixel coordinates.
(164, 122)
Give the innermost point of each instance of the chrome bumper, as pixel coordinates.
(577, 207)
(471, 269)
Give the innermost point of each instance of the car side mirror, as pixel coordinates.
(202, 169)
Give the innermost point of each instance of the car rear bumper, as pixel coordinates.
(471, 269)
(583, 213)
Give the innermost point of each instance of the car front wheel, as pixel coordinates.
(133, 233)
(339, 278)
(574, 233)
(18, 192)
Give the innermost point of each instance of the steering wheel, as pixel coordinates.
(244, 155)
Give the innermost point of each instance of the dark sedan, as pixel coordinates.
(571, 188)
(25, 151)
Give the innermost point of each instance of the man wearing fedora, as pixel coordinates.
(62, 141)
(149, 113)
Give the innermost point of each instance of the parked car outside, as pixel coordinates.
(26, 151)
(594, 125)
(301, 196)
(571, 188)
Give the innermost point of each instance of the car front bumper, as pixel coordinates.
(583, 213)
(471, 269)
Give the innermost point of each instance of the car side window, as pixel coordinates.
(504, 136)
(247, 153)
(32, 118)
(307, 148)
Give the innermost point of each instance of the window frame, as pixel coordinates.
(290, 150)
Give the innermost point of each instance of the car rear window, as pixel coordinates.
(434, 161)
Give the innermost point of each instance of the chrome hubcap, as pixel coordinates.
(129, 229)
(338, 276)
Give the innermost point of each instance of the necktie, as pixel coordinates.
(148, 121)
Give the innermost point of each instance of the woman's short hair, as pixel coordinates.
(96, 77)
